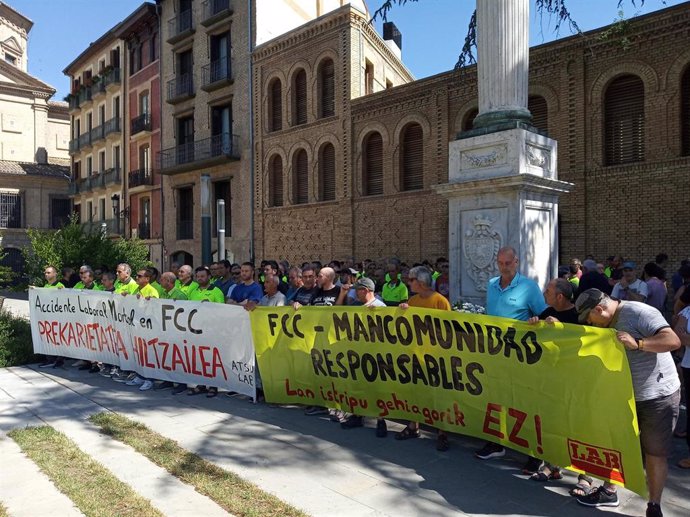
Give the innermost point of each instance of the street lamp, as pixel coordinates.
(115, 198)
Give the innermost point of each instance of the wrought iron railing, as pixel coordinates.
(224, 144)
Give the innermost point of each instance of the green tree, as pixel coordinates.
(6, 273)
(74, 246)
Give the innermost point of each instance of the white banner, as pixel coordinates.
(180, 341)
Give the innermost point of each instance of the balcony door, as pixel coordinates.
(221, 130)
(220, 57)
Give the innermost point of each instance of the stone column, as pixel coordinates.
(502, 61)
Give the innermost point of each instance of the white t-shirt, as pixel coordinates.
(685, 363)
(638, 287)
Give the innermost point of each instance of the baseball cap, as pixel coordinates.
(586, 302)
(349, 270)
(365, 283)
(629, 265)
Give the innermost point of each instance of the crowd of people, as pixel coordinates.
(650, 313)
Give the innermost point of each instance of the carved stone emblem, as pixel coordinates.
(481, 245)
(484, 158)
(538, 157)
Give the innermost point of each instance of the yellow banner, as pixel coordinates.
(562, 393)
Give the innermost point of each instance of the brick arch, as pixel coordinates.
(328, 138)
(642, 70)
(549, 95)
(314, 85)
(462, 113)
(675, 73)
(266, 94)
(362, 134)
(265, 173)
(288, 172)
(412, 118)
(296, 67)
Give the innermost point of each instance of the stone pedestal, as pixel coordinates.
(503, 191)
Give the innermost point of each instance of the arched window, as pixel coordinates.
(412, 157)
(327, 88)
(275, 181)
(624, 121)
(327, 173)
(685, 111)
(300, 175)
(536, 104)
(300, 98)
(372, 164)
(469, 119)
(275, 106)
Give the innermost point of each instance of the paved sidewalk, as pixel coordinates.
(309, 461)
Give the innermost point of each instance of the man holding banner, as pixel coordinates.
(648, 341)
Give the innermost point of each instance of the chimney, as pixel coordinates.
(393, 38)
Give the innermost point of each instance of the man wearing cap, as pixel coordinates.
(648, 341)
(629, 287)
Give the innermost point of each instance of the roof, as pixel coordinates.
(136, 20)
(16, 17)
(33, 169)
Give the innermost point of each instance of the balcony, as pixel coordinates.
(98, 89)
(216, 74)
(180, 88)
(73, 102)
(84, 96)
(185, 229)
(74, 145)
(141, 123)
(96, 134)
(139, 177)
(111, 126)
(215, 10)
(180, 27)
(84, 184)
(111, 176)
(84, 140)
(73, 187)
(203, 153)
(111, 78)
(144, 231)
(107, 226)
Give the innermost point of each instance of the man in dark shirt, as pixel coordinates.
(558, 295)
(592, 278)
(304, 294)
(328, 292)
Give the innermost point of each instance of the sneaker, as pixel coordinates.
(533, 465)
(337, 415)
(315, 410)
(94, 368)
(136, 381)
(491, 450)
(180, 388)
(108, 371)
(147, 385)
(163, 385)
(120, 376)
(654, 510)
(381, 429)
(600, 497)
(48, 364)
(352, 421)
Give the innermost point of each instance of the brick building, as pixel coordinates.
(620, 113)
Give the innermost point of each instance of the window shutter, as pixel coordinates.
(276, 182)
(300, 97)
(413, 158)
(624, 121)
(327, 172)
(327, 89)
(685, 111)
(536, 104)
(301, 174)
(373, 165)
(276, 106)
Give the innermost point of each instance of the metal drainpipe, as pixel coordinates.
(164, 266)
(251, 132)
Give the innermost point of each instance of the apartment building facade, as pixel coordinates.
(96, 107)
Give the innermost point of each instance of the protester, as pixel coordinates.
(108, 281)
(648, 341)
(170, 289)
(273, 297)
(511, 295)
(426, 298)
(592, 276)
(394, 291)
(305, 294)
(295, 281)
(125, 283)
(655, 278)
(187, 283)
(629, 287)
(682, 328)
(247, 290)
(52, 282)
(205, 292)
(226, 278)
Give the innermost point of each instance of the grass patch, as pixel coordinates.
(228, 490)
(92, 488)
(16, 347)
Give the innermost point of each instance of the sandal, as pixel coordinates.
(407, 434)
(442, 443)
(542, 476)
(212, 392)
(584, 486)
(196, 391)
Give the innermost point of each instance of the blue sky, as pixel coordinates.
(433, 30)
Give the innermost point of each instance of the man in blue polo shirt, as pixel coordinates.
(511, 295)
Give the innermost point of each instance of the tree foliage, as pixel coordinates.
(74, 246)
(555, 8)
(6, 273)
